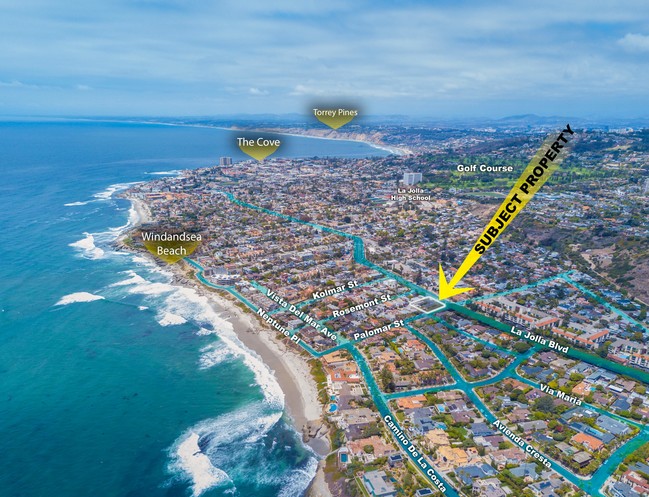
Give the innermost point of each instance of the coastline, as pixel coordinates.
(337, 135)
(291, 367)
(278, 131)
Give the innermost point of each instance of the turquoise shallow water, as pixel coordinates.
(143, 391)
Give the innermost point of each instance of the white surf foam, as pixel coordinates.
(173, 172)
(151, 288)
(169, 319)
(113, 233)
(112, 189)
(214, 354)
(134, 279)
(190, 463)
(138, 259)
(88, 248)
(188, 303)
(197, 466)
(74, 204)
(150, 266)
(298, 480)
(78, 297)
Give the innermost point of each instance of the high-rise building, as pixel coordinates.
(411, 178)
(225, 161)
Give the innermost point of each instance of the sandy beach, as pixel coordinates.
(142, 212)
(294, 376)
(290, 366)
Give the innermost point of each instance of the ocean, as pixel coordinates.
(113, 381)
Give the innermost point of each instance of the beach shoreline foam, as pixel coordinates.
(290, 367)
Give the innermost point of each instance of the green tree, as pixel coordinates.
(544, 404)
(387, 380)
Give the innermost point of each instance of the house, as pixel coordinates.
(587, 441)
(530, 426)
(354, 421)
(582, 458)
(546, 488)
(436, 438)
(517, 415)
(636, 479)
(357, 448)
(481, 430)
(589, 430)
(501, 458)
(448, 457)
(462, 416)
(378, 484)
(621, 404)
(612, 426)
(411, 402)
(421, 420)
(469, 473)
(621, 489)
(566, 449)
(489, 487)
(582, 389)
(525, 470)
(542, 438)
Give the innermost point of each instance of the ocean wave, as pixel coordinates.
(248, 445)
(175, 303)
(169, 319)
(150, 265)
(88, 248)
(112, 189)
(151, 288)
(78, 297)
(215, 440)
(297, 480)
(139, 259)
(95, 245)
(191, 305)
(173, 172)
(214, 354)
(190, 461)
(133, 279)
(74, 204)
(132, 220)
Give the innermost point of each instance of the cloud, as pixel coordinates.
(208, 57)
(19, 84)
(635, 42)
(257, 92)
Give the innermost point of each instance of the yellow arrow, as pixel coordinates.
(537, 172)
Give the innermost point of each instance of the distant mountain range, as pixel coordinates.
(514, 122)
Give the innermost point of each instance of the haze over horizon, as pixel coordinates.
(203, 58)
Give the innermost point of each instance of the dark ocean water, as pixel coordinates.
(129, 387)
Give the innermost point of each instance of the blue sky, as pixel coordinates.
(437, 58)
